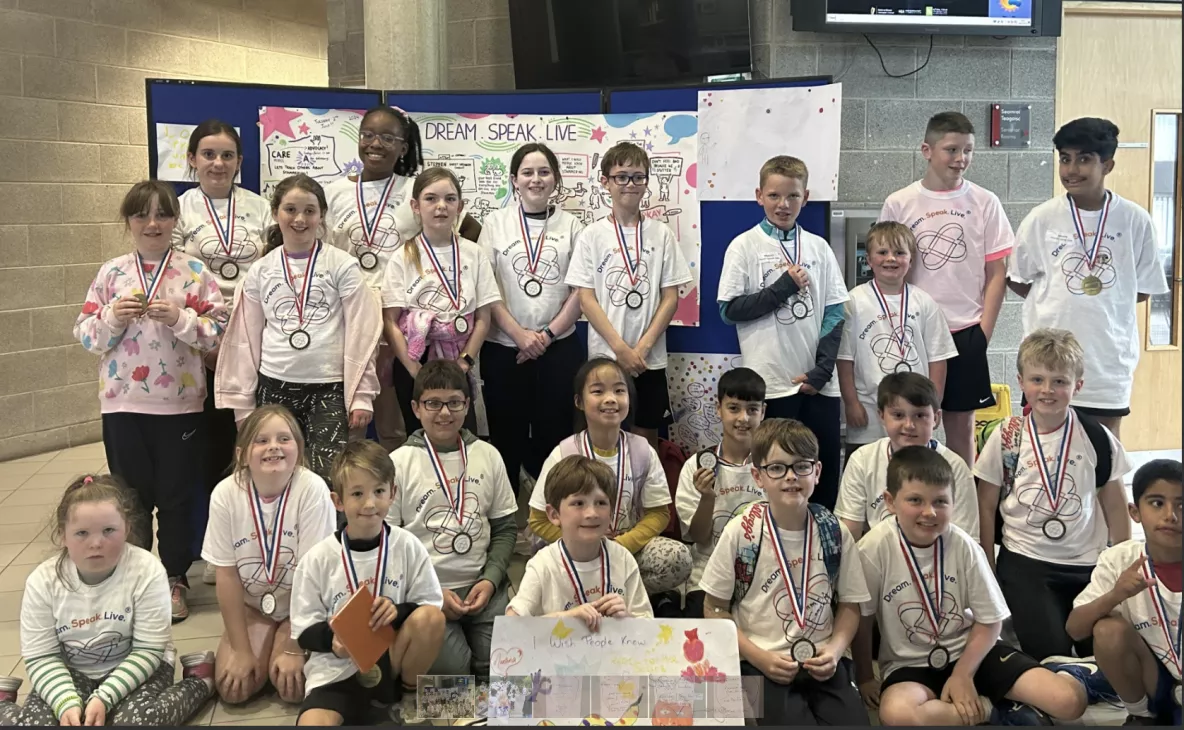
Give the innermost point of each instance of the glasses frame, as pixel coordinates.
(809, 465)
(461, 405)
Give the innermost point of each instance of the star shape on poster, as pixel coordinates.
(598, 135)
(303, 128)
(647, 131)
(633, 135)
(649, 146)
(277, 120)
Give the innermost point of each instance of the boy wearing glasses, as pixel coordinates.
(627, 269)
(782, 288)
(453, 494)
(787, 573)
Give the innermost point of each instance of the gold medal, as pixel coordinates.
(1091, 285)
(370, 678)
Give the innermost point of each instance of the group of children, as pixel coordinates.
(368, 299)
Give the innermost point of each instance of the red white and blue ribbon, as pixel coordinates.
(631, 265)
(930, 604)
(370, 228)
(569, 566)
(269, 545)
(456, 499)
(151, 287)
(290, 279)
(797, 595)
(622, 462)
(1053, 483)
(797, 245)
(903, 310)
(719, 454)
(351, 572)
(533, 254)
(225, 234)
(1091, 250)
(452, 289)
(1161, 612)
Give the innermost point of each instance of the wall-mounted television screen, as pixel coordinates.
(970, 17)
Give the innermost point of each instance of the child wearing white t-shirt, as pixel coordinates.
(881, 339)
(940, 613)
(263, 519)
(455, 498)
(782, 288)
(1132, 605)
(627, 268)
(583, 574)
(908, 405)
(304, 330)
(396, 569)
(1045, 476)
(95, 622)
(1089, 257)
(786, 573)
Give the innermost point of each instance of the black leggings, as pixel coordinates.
(1040, 596)
(319, 409)
(530, 407)
(820, 414)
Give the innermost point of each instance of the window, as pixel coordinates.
(1164, 310)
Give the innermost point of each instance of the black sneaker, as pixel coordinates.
(667, 604)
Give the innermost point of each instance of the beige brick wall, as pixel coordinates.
(73, 137)
(479, 50)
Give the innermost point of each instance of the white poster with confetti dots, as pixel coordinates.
(692, 381)
(739, 129)
(478, 148)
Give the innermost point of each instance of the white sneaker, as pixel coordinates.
(522, 545)
(209, 576)
(405, 712)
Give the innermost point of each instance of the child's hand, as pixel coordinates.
(960, 692)
(71, 717)
(479, 596)
(96, 712)
(778, 667)
(164, 311)
(612, 605)
(705, 482)
(1131, 581)
(823, 664)
(629, 360)
(359, 418)
(339, 649)
(412, 367)
(799, 275)
(287, 675)
(870, 690)
(806, 387)
(235, 674)
(454, 608)
(856, 415)
(125, 309)
(383, 612)
(587, 613)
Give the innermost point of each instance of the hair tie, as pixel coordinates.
(88, 480)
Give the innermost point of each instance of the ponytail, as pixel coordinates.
(273, 238)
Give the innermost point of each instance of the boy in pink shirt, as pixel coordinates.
(963, 239)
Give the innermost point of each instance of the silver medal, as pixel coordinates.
(267, 604)
(1054, 529)
(903, 367)
(461, 324)
(368, 260)
(707, 460)
(802, 650)
(939, 658)
(533, 287)
(229, 270)
(462, 544)
(300, 340)
(633, 299)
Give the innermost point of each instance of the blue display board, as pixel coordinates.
(505, 102)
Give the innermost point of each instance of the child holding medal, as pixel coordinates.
(398, 572)
(1132, 606)
(151, 315)
(891, 327)
(439, 310)
(584, 574)
(263, 519)
(304, 330)
(531, 356)
(454, 496)
(627, 268)
(796, 603)
(940, 612)
(1088, 257)
(1044, 475)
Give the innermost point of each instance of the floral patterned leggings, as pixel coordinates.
(156, 703)
(319, 409)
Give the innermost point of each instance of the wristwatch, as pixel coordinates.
(547, 331)
(467, 358)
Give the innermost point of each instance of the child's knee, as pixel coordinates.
(896, 712)
(426, 624)
(1112, 634)
(319, 718)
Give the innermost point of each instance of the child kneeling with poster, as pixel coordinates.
(398, 572)
(795, 626)
(583, 575)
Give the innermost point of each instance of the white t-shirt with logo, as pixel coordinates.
(865, 480)
(1027, 508)
(734, 488)
(347, 229)
(197, 235)
(94, 627)
(1139, 610)
(501, 237)
(597, 263)
(546, 588)
(765, 614)
(652, 486)
(320, 591)
(336, 275)
(873, 342)
(405, 287)
(423, 508)
(231, 538)
(1049, 256)
(782, 345)
(971, 595)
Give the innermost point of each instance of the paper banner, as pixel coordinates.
(321, 143)
(478, 148)
(172, 151)
(692, 382)
(742, 128)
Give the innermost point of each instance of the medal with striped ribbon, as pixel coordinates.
(451, 288)
(898, 333)
(622, 462)
(368, 259)
(1161, 614)
(1091, 284)
(351, 572)
(799, 593)
(150, 287)
(300, 339)
(633, 299)
(573, 575)
(1054, 483)
(462, 543)
(533, 287)
(269, 545)
(939, 656)
(228, 269)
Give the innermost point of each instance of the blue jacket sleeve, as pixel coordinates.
(828, 347)
(748, 307)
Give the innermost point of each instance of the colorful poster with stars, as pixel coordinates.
(478, 148)
(692, 382)
(321, 143)
(740, 129)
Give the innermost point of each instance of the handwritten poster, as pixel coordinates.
(631, 672)
(321, 143)
(172, 150)
(692, 381)
(478, 148)
(739, 129)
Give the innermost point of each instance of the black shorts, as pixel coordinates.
(1001, 668)
(1095, 412)
(652, 409)
(356, 704)
(968, 376)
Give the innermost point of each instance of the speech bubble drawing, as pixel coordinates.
(680, 126)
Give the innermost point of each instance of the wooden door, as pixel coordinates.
(1122, 62)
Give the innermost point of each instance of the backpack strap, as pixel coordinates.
(639, 465)
(831, 540)
(1099, 438)
(752, 534)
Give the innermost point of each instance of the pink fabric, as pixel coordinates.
(423, 329)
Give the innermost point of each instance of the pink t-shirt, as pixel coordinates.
(958, 232)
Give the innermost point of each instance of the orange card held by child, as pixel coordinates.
(352, 626)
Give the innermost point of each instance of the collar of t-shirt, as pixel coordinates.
(419, 438)
(779, 234)
(542, 215)
(358, 545)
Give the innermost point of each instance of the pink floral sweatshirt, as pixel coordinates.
(149, 367)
